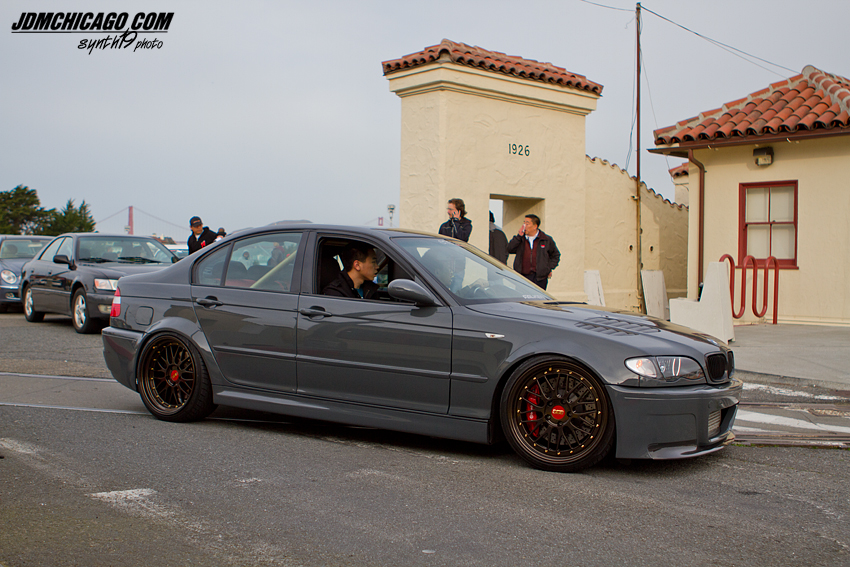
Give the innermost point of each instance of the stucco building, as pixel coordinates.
(768, 175)
(480, 125)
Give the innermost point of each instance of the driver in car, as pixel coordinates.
(359, 268)
(440, 267)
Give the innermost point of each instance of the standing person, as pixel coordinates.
(221, 234)
(458, 226)
(498, 241)
(201, 235)
(536, 252)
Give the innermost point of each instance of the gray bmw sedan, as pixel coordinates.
(418, 333)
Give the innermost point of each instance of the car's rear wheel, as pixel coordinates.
(557, 415)
(79, 313)
(173, 380)
(30, 313)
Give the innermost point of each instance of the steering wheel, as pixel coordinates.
(477, 292)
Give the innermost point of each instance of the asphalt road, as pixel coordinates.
(87, 477)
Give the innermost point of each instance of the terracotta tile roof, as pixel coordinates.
(807, 103)
(494, 61)
(680, 171)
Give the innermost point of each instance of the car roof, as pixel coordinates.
(107, 235)
(386, 232)
(25, 237)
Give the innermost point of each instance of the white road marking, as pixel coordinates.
(137, 501)
(52, 377)
(754, 417)
(19, 447)
(98, 410)
(789, 392)
(744, 429)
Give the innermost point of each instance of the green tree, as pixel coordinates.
(69, 219)
(21, 211)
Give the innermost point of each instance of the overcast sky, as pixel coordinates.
(253, 112)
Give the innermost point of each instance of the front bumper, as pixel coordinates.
(99, 305)
(672, 423)
(9, 294)
(119, 352)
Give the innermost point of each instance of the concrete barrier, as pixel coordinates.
(712, 314)
(593, 288)
(655, 294)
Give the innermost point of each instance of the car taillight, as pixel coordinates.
(116, 304)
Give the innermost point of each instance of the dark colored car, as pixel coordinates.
(77, 273)
(453, 345)
(15, 251)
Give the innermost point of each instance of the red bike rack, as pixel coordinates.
(749, 260)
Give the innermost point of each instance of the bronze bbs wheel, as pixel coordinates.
(173, 380)
(557, 415)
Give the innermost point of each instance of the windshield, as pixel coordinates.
(122, 249)
(21, 248)
(468, 273)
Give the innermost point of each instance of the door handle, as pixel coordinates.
(314, 312)
(209, 301)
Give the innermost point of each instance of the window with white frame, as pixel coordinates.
(768, 222)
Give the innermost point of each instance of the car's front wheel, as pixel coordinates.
(80, 314)
(173, 380)
(30, 313)
(557, 415)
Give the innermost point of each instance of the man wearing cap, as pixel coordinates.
(201, 235)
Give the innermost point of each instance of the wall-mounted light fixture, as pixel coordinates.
(763, 156)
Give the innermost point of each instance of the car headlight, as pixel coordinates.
(666, 370)
(105, 285)
(9, 276)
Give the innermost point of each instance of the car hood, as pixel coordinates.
(593, 319)
(14, 264)
(115, 270)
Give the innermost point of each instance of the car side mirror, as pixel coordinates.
(62, 259)
(407, 290)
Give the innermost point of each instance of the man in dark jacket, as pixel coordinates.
(360, 266)
(201, 235)
(498, 241)
(536, 252)
(458, 226)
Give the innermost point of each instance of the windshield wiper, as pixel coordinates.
(137, 260)
(94, 260)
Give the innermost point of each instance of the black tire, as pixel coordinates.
(83, 324)
(557, 415)
(30, 313)
(4, 307)
(173, 380)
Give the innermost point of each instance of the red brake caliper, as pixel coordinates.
(531, 415)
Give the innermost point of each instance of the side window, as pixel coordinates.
(50, 251)
(210, 270)
(265, 262)
(331, 262)
(66, 248)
